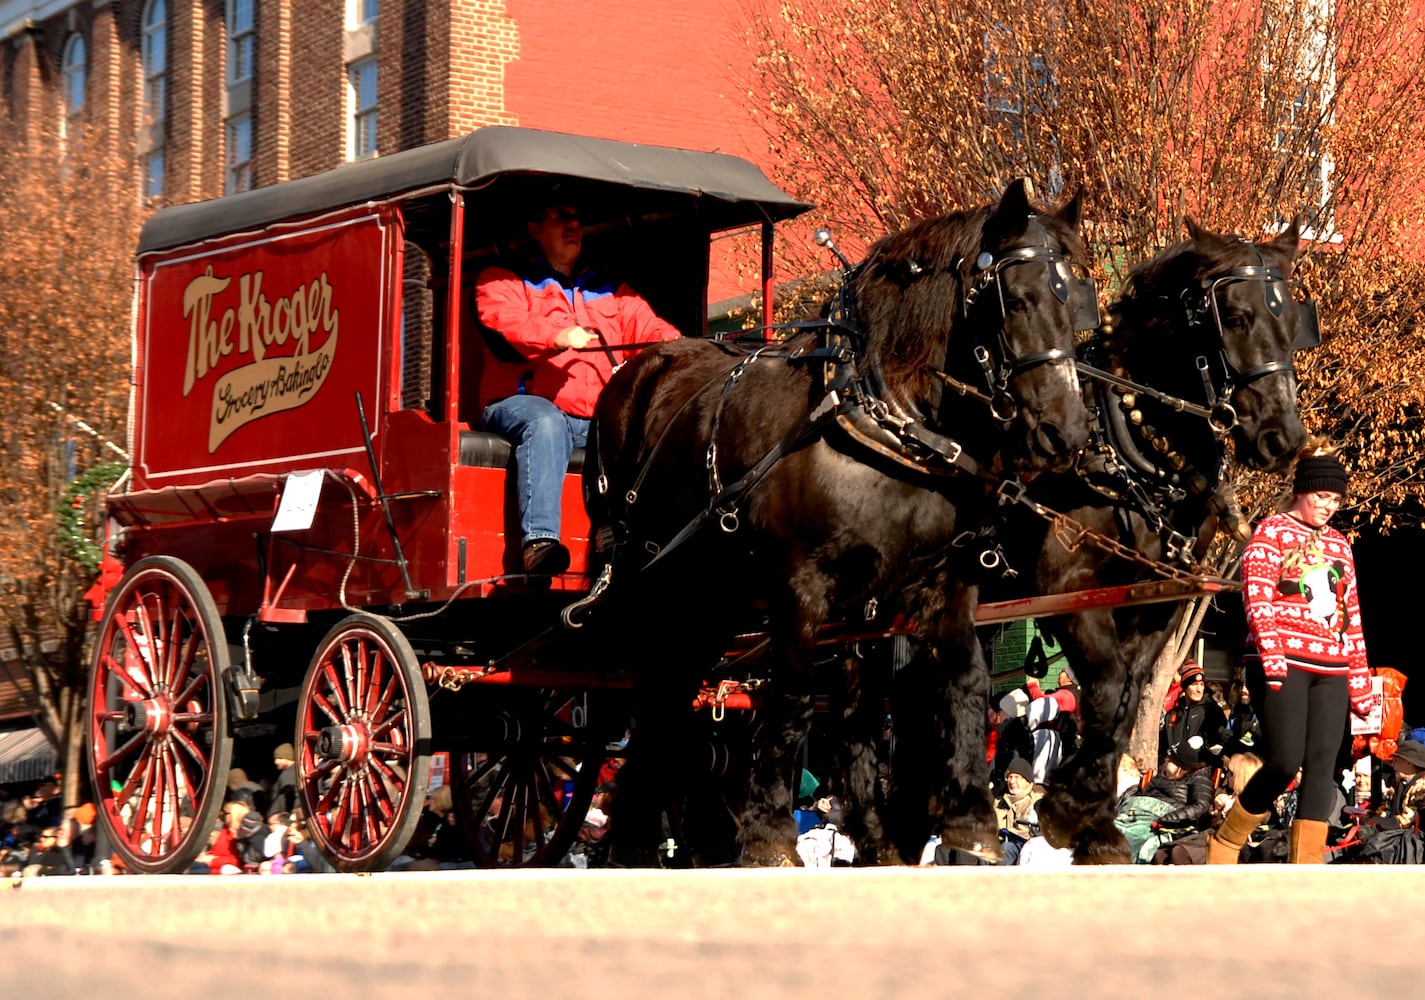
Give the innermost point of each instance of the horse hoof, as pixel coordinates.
(1056, 836)
(1102, 847)
(985, 849)
(768, 856)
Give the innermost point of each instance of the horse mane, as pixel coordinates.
(909, 292)
(1152, 298)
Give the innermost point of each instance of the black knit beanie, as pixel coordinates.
(1319, 473)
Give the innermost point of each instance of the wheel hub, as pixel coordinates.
(154, 716)
(347, 744)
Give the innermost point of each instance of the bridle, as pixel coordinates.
(1075, 290)
(1275, 293)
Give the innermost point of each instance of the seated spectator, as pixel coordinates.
(54, 857)
(1403, 809)
(1194, 720)
(221, 856)
(824, 845)
(1180, 795)
(1018, 820)
(274, 845)
(303, 853)
(1191, 848)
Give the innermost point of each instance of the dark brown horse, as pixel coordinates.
(790, 487)
(1211, 324)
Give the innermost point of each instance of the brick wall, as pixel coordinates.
(623, 69)
(318, 87)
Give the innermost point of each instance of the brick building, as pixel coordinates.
(207, 97)
(217, 96)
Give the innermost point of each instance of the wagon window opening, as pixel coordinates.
(417, 325)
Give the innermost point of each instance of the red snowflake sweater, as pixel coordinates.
(1299, 586)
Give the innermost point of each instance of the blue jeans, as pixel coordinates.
(544, 437)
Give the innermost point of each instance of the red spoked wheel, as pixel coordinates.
(522, 787)
(157, 717)
(363, 744)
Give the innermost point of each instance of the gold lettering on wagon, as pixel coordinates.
(268, 383)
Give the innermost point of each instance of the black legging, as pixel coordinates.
(1302, 726)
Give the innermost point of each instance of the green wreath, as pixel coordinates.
(74, 504)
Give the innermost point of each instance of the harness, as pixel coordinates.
(855, 396)
(1155, 476)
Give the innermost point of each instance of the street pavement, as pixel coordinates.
(1253, 931)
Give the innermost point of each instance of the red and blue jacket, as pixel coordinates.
(528, 310)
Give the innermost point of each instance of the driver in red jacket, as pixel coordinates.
(569, 323)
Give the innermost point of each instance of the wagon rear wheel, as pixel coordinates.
(156, 722)
(522, 787)
(363, 744)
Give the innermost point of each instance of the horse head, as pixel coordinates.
(987, 301)
(1229, 327)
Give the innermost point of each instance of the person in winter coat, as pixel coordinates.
(1011, 737)
(571, 326)
(1303, 616)
(1185, 782)
(1042, 717)
(1018, 820)
(1194, 721)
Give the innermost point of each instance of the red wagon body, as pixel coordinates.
(315, 529)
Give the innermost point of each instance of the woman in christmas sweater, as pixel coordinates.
(1299, 587)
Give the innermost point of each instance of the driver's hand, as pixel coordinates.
(575, 337)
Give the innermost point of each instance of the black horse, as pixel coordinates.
(796, 484)
(1207, 331)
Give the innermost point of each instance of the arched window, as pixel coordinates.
(73, 72)
(155, 96)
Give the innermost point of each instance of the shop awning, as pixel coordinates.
(25, 755)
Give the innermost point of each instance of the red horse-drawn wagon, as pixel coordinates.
(315, 533)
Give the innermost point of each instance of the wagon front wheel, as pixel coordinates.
(363, 744)
(156, 722)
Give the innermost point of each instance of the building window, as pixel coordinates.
(153, 175)
(362, 79)
(239, 172)
(73, 73)
(155, 61)
(154, 55)
(361, 12)
(1299, 93)
(242, 34)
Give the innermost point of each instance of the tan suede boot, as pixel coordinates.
(1224, 844)
(1308, 842)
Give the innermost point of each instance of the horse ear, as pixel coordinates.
(1290, 239)
(1204, 238)
(1073, 213)
(1014, 203)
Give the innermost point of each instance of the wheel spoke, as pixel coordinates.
(368, 660)
(131, 655)
(334, 685)
(104, 766)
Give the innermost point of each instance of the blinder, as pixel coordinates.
(1078, 293)
(1276, 294)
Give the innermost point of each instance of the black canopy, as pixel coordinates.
(734, 190)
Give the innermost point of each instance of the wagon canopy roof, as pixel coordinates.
(735, 190)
